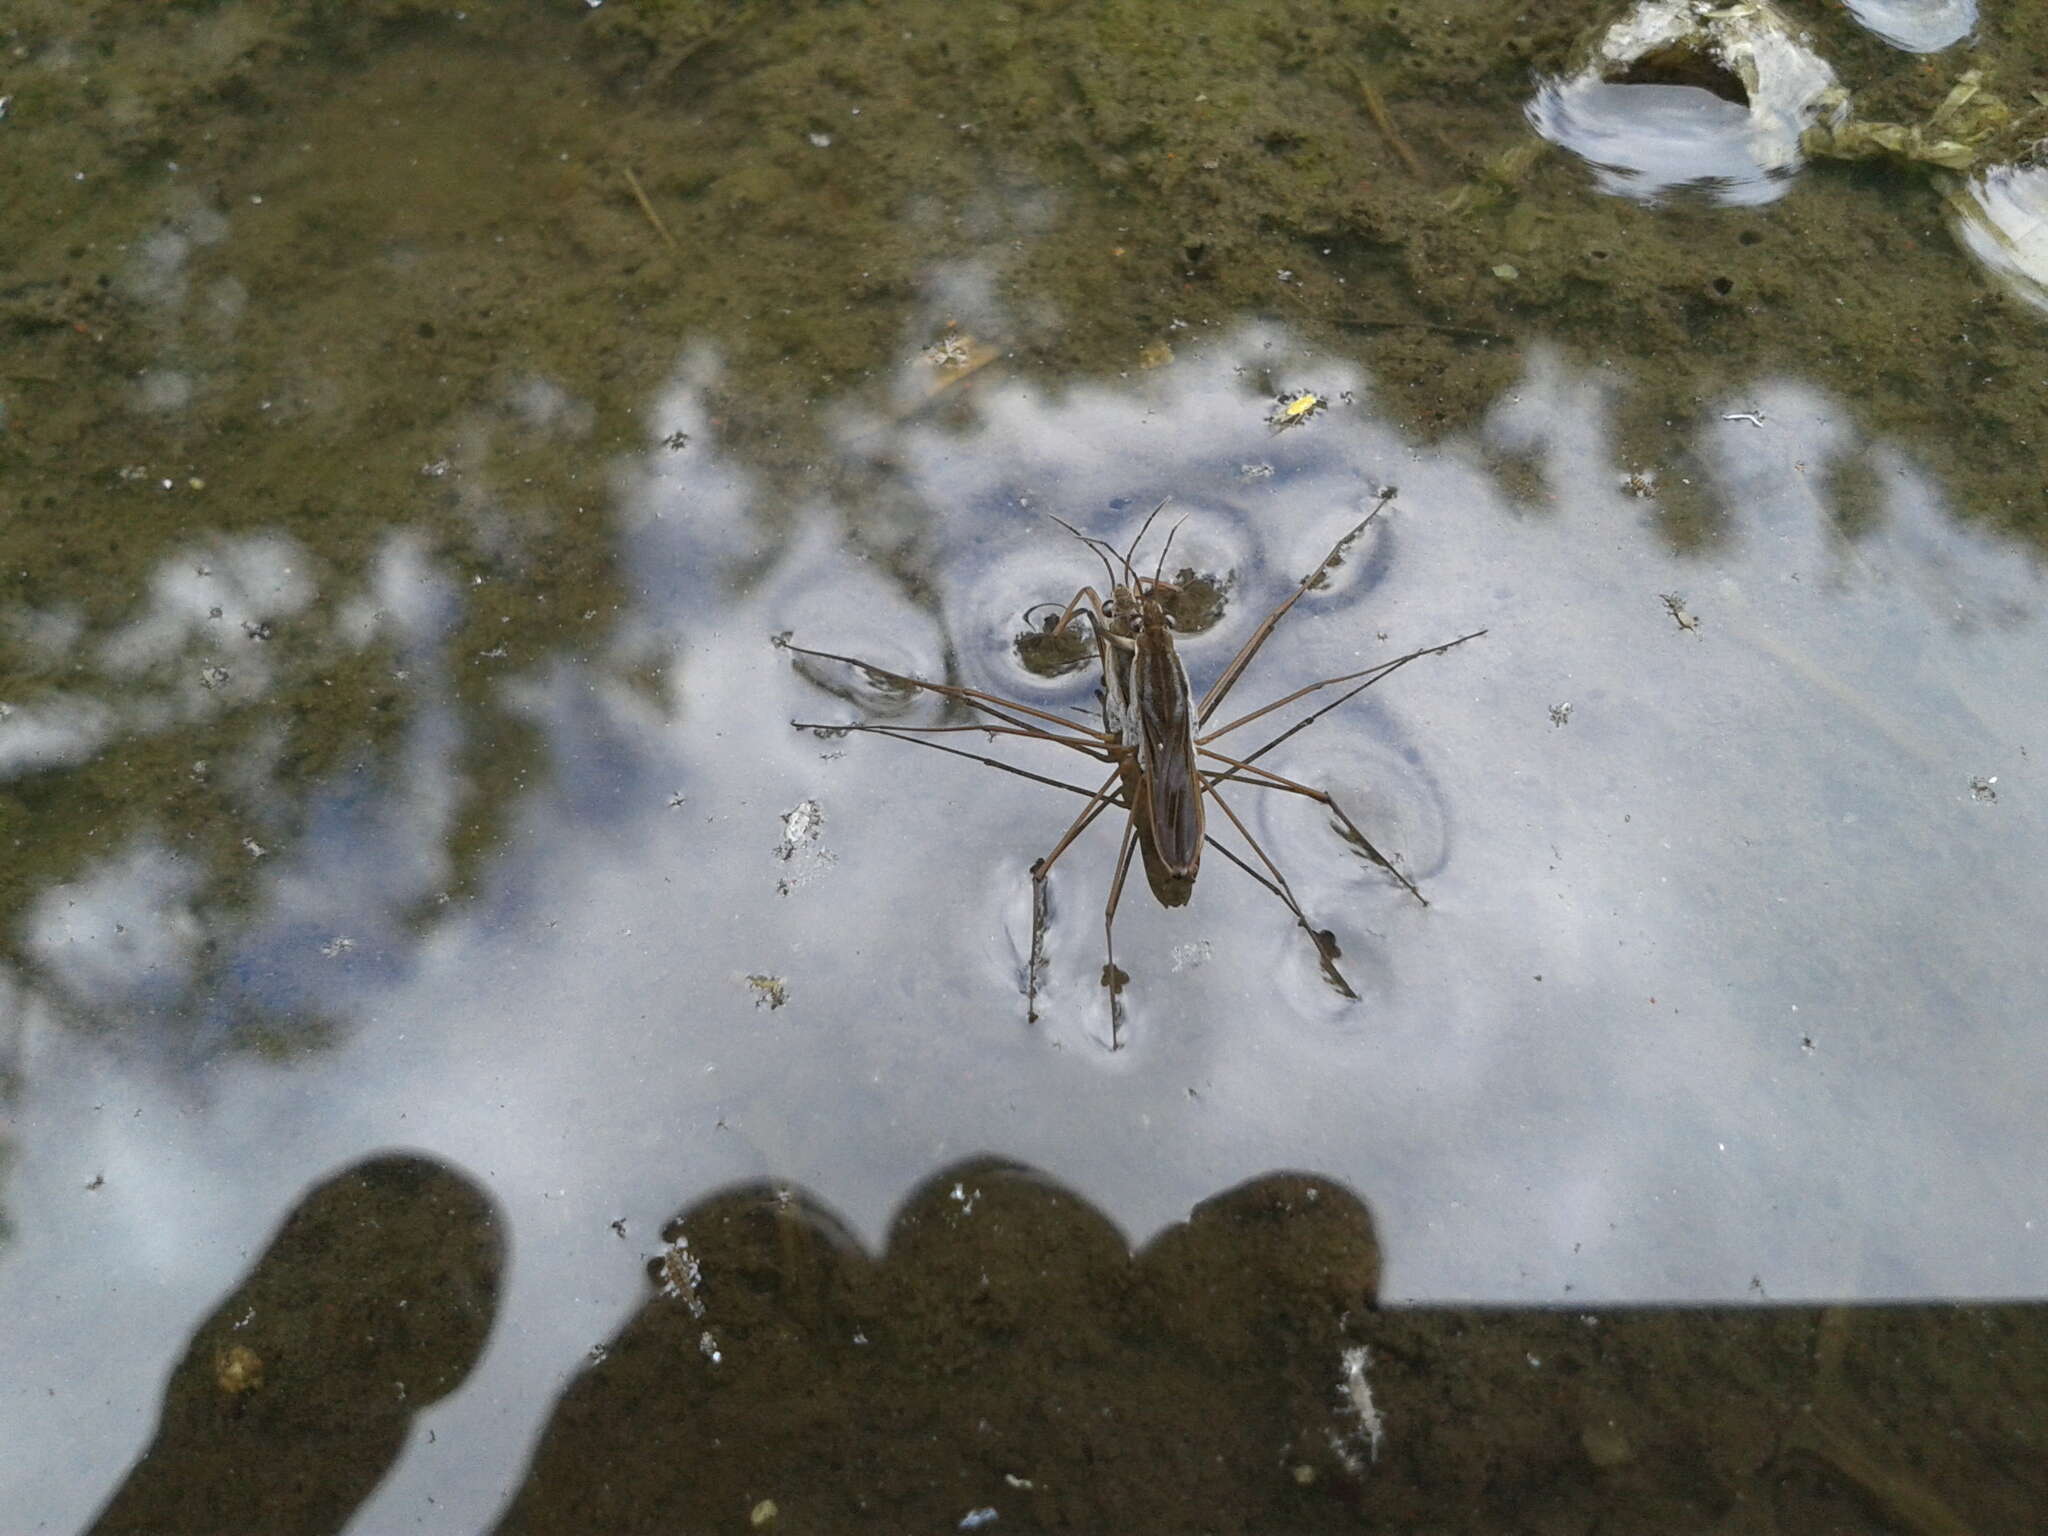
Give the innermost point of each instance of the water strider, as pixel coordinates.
(1164, 766)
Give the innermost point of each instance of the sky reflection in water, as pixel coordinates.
(1720, 988)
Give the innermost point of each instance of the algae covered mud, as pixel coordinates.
(416, 426)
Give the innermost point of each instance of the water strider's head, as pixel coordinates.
(1153, 619)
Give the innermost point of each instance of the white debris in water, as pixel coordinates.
(800, 829)
(800, 826)
(948, 352)
(1918, 26)
(1354, 1397)
(2001, 218)
(709, 1345)
(1683, 617)
(975, 1519)
(1644, 140)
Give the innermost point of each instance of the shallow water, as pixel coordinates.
(1723, 824)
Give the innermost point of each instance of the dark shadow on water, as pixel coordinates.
(295, 1397)
(1008, 1363)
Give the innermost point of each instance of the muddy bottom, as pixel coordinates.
(1007, 1362)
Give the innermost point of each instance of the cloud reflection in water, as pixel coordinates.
(1719, 979)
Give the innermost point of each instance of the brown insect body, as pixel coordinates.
(1155, 716)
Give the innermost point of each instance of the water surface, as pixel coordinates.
(398, 752)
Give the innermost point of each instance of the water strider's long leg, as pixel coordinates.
(1094, 744)
(1099, 801)
(1110, 977)
(1371, 674)
(972, 757)
(1078, 738)
(1087, 598)
(1034, 966)
(973, 698)
(1088, 740)
(1325, 952)
(1243, 658)
(1287, 892)
(1266, 778)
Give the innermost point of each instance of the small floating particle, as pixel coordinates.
(1292, 410)
(770, 992)
(1606, 1445)
(678, 1274)
(237, 1369)
(950, 361)
(1674, 604)
(1354, 1396)
(975, 1519)
(800, 825)
(762, 1514)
